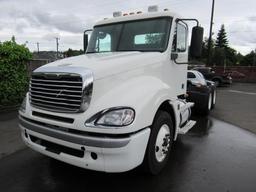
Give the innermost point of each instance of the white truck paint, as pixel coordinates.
(140, 82)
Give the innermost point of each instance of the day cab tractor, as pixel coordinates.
(121, 103)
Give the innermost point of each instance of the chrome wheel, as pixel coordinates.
(162, 143)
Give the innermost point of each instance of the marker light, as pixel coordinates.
(153, 8)
(117, 14)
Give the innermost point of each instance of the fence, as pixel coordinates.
(248, 71)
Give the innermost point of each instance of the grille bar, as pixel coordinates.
(54, 85)
(56, 103)
(53, 108)
(55, 81)
(47, 89)
(56, 98)
(60, 92)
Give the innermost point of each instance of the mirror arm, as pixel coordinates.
(181, 63)
(174, 57)
(87, 30)
(197, 22)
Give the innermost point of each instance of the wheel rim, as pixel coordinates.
(162, 143)
(216, 82)
(214, 97)
(210, 102)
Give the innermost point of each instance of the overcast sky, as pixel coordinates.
(41, 21)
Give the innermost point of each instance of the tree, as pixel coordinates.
(249, 59)
(222, 40)
(231, 56)
(71, 52)
(205, 50)
(13, 73)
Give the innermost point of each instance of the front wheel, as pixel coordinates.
(217, 82)
(160, 143)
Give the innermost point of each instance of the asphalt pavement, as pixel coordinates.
(236, 104)
(10, 138)
(214, 156)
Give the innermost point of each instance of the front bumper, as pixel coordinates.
(95, 152)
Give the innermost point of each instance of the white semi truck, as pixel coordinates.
(121, 103)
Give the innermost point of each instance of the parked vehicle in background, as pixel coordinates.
(235, 74)
(201, 92)
(218, 78)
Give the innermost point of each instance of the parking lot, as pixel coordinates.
(218, 154)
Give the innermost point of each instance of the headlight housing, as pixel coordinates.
(23, 105)
(113, 117)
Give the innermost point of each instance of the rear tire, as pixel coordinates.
(160, 143)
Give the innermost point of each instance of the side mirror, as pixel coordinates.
(196, 42)
(86, 39)
(85, 42)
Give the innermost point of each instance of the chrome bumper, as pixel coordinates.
(63, 134)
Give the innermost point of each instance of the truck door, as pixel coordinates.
(179, 47)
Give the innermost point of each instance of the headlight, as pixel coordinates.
(23, 105)
(115, 117)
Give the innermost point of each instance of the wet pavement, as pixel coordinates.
(214, 156)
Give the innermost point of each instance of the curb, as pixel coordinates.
(9, 108)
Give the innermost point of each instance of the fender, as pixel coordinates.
(150, 91)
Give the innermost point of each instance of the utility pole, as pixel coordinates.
(57, 46)
(37, 44)
(254, 58)
(210, 35)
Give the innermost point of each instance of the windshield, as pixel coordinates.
(139, 35)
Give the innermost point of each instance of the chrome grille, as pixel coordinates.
(60, 92)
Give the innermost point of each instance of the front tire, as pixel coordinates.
(217, 82)
(160, 143)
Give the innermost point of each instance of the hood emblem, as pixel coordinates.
(59, 93)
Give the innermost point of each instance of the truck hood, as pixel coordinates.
(103, 64)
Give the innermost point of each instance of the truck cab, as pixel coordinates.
(120, 104)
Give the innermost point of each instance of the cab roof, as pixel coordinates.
(135, 16)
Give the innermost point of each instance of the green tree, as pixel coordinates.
(222, 40)
(231, 56)
(219, 56)
(13, 73)
(71, 52)
(249, 59)
(205, 50)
